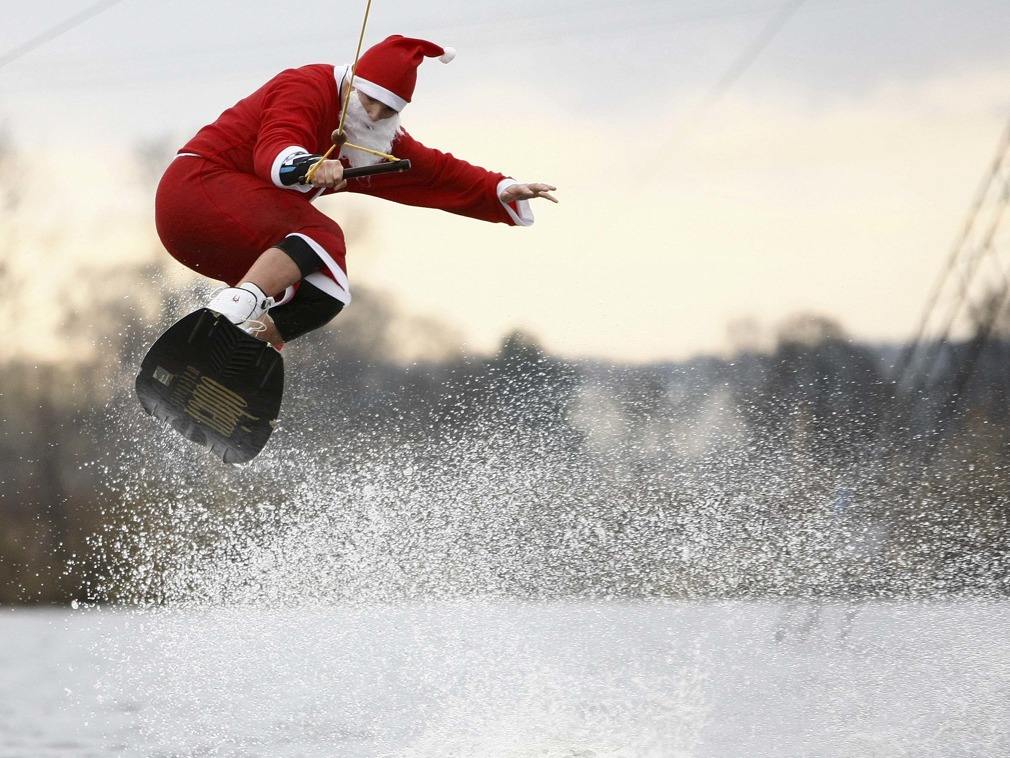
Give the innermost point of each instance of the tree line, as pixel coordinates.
(766, 473)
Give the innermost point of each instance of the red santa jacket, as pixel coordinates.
(299, 108)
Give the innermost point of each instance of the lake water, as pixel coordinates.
(560, 680)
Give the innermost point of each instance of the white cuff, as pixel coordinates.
(380, 93)
(525, 216)
(283, 157)
(323, 282)
(340, 289)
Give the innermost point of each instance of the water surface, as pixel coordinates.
(714, 680)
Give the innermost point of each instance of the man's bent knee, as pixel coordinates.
(309, 309)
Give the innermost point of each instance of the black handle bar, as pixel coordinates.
(390, 167)
(295, 173)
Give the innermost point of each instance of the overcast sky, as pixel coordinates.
(831, 176)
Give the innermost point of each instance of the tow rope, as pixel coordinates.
(338, 135)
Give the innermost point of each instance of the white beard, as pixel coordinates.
(361, 130)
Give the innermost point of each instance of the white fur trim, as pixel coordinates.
(282, 157)
(525, 215)
(380, 93)
(341, 290)
(340, 74)
(448, 56)
(327, 285)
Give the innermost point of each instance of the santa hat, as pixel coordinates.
(387, 72)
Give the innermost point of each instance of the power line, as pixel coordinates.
(497, 36)
(747, 58)
(955, 288)
(740, 65)
(56, 30)
(930, 378)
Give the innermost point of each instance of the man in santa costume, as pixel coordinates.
(224, 207)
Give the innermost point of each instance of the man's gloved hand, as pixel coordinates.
(329, 174)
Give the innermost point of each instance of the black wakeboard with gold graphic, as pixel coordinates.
(214, 384)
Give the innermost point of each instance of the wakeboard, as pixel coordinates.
(214, 384)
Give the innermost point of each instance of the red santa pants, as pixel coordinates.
(218, 221)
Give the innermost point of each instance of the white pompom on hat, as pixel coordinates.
(387, 71)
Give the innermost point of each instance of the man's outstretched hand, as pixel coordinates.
(527, 192)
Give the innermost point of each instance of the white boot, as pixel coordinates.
(242, 305)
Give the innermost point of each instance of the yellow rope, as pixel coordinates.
(369, 150)
(354, 67)
(312, 169)
(343, 111)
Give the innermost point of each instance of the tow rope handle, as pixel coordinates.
(391, 167)
(297, 171)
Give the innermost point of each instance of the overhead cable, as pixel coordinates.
(56, 30)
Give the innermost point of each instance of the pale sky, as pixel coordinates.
(831, 177)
